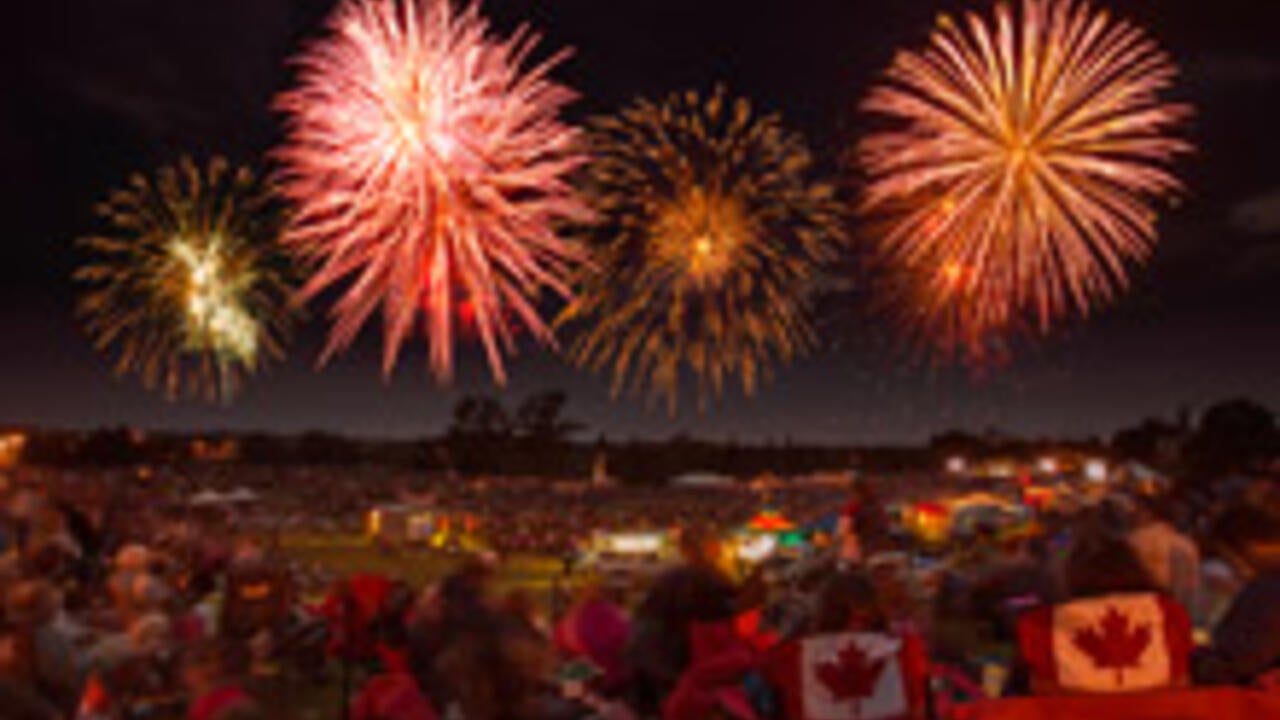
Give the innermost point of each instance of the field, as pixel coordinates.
(346, 555)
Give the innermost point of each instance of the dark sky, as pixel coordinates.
(94, 89)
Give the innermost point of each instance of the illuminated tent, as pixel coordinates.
(242, 495)
(770, 521)
(774, 524)
(207, 498)
(702, 480)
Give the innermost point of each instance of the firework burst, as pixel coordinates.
(709, 234)
(187, 288)
(428, 172)
(1017, 181)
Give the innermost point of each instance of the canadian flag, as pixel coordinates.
(1113, 644)
(849, 676)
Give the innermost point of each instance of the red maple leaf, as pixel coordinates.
(1115, 643)
(850, 676)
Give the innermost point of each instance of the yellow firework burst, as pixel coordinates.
(1017, 181)
(709, 232)
(186, 287)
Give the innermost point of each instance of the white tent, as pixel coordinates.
(207, 498)
(702, 480)
(242, 495)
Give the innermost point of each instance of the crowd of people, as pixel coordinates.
(115, 606)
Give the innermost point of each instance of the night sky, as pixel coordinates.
(95, 89)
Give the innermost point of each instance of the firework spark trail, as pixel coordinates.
(428, 171)
(709, 234)
(187, 287)
(1018, 179)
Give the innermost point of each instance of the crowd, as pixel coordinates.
(116, 607)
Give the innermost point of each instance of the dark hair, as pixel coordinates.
(1247, 534)
(693, 543)
(1102, 565)
(847, 599)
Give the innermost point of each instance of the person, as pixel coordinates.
(1171, 558)
(208, 673)
(19, 695)
(1115, 632)
(851, 661)
(1246, 642)
(696, 591)
(1100, 566)
(45, 656)
(596, 629)
(468, 656)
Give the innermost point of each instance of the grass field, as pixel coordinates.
(346, 555)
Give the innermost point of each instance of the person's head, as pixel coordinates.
(517, 603)
(463, 592)
(1102, 565)
(151, 634)
(848, 601)
(206, 665)
(1147, 510)
(133, 559)
(1249, 539)
(148, 594)
(699, 545)
(32, 603)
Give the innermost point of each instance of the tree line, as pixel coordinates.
(538, 437)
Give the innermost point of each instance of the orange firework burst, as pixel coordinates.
(1017, 179)
(428, 171)
(710, 231)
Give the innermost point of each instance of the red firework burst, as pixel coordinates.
(428, 171)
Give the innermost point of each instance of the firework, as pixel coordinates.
(1017, 181)
(186, 287)
(428, 172)
(708, 236)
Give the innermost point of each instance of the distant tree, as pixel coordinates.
(479, 436)
(1232, 436)
(115, 446)
(263, 449)
(544, 434)
(480, 416)
(541, 417)
(322, 448)
(957, 442)
(1142, 442)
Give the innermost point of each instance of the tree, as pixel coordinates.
(111, 447)
(1233, 436)
(544, 433)
(958, 443)
(479, 435)
(1142, 442)
(322, 448)
(541, 417)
